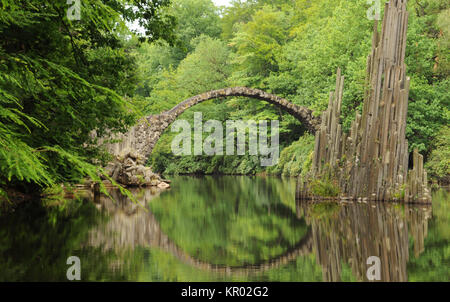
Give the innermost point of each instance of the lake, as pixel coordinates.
(225, 228)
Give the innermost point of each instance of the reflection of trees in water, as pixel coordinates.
(130, 226)
(230, 220)
(351, 232)
(35, 241)
(434, 260)
(346, 233)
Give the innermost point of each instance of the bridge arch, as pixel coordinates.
(144, 136)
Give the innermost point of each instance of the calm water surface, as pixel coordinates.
(226, 228)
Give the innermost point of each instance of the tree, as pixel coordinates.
(60, 80)
(292, 49)
(438, 165)
(257, 44)
(195, 18)
(206, 68)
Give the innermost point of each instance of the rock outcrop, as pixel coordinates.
(370, 162)
(129, 169)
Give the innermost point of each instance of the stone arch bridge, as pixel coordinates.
(143, 137)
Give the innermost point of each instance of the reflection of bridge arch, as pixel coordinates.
(347, 232)
(144, 136)
(303, 247)
(130, 226)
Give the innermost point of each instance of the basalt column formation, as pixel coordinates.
(371, 160)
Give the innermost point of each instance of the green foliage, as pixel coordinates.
(293, 158)
(242, 11)
(216, 227)
(25, 243)
(292, 49)
(400, 194)
(429, 98)
(205, 220)
(326, 35)
(206, 68)
(257, 43)
(324, 187)
(438, 165)
(432, 263)
(325, 210)
(61, 80)
(37, 249)
(195, 18)
(427, 61)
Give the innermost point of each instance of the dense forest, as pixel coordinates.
(62, 79)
